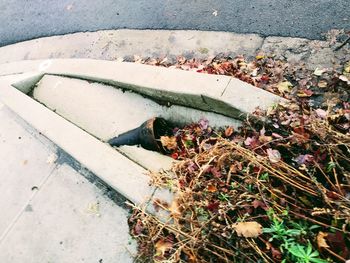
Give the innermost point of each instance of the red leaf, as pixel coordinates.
(332, 195)
(337, 243)
(215, 171)
(305, 93)
(265, 78)
(258, 203)
(175, 156)
(138, 228)
(213, 207)
(276, 254)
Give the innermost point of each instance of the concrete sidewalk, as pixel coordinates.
(51, 213)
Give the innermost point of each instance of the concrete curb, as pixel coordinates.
(90, 152)
(220, 94)
(112, 167)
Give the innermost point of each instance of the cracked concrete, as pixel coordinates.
(124, 44)
(129, 45)
(311, 53)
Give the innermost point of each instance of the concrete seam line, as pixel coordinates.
(20, 213)
(222, 93)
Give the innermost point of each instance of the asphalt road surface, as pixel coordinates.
(27, 19)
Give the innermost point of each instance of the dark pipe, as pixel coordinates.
(131, 137)
(147, 135)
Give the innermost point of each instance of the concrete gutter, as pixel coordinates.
(105, 111)
(220, 94)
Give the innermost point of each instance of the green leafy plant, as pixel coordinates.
(224, 197)
(280, 232)
(287, 233)
(250, 188)
(305, 254)
(202, 214)
(303, 227)
(264, 177)
(330, 166)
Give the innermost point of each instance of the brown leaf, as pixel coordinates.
(162, 246)
(258, 203)
(276, 253)
(175, 209)
(191, 258)
(248, 229)
(212, 188)
(229, 130)
(138, 228)
(321, 241)
(322, 84)
(305, 93)
(169, 142)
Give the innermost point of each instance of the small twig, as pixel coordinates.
(335, 255)
(317, 222)
(336, 177)
(343, 44)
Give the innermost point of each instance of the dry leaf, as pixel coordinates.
(347, 67)
(162, 246)
(175, 209)
(138, 228)
(321, 113)
(229, 130)
(169, 142)
(248, 229)
(319, 72)
(274, 155)
(304, 93)
(191, 258)
(212, 188)
(344, 78)
(321, 241)
(284, 87)
(322, 84)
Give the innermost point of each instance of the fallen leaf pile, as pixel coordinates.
(277, 191)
